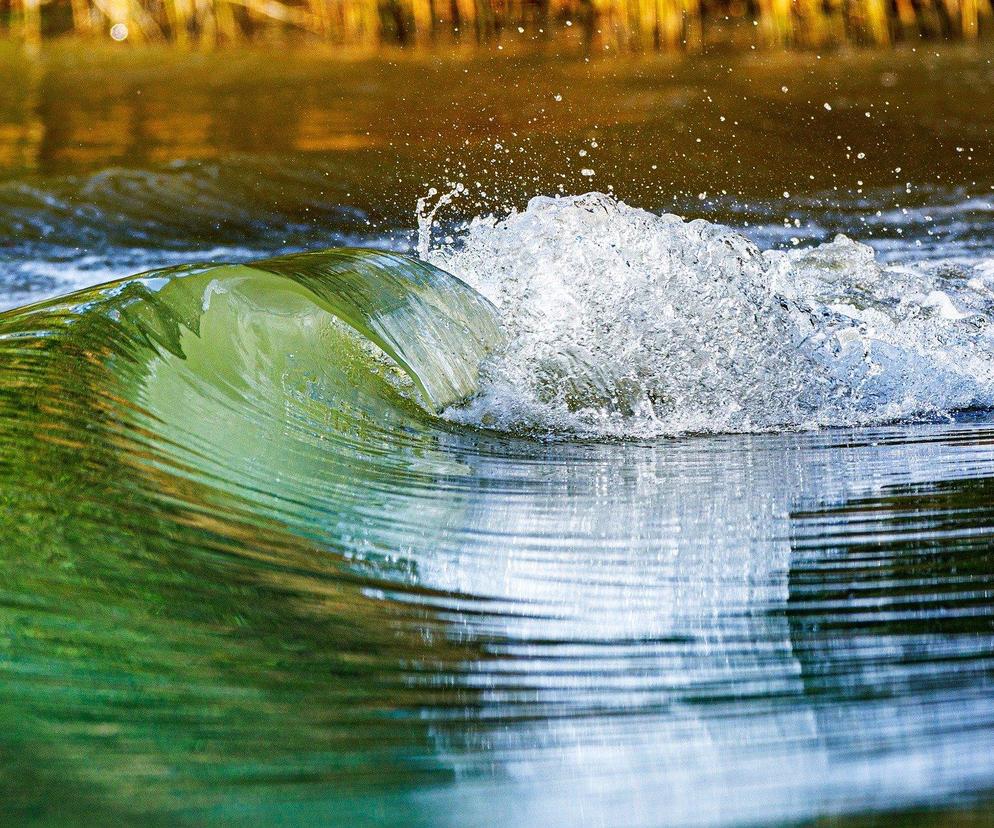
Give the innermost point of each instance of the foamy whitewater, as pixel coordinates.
(623, 323)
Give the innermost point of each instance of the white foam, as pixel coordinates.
(621, 322)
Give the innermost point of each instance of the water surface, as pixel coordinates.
(250, 576)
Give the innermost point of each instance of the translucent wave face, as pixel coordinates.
(625, 323)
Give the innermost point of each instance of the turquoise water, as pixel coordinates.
(587, 516)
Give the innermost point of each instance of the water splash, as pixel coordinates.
(427, 213)
(625, 323)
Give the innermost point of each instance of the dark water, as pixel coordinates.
(247, 579)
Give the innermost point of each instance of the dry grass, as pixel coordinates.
(590, 25)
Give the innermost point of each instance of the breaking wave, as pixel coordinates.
(245, 561)
(624, 323)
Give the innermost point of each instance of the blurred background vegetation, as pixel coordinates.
(587, 26)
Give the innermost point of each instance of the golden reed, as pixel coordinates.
(609, 25)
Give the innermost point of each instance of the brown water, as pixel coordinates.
(740, 129)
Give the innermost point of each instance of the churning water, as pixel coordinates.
(588, 514)
(624, 323)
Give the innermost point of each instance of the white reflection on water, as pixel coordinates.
(645, 667)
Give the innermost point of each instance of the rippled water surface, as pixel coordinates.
(260, 561)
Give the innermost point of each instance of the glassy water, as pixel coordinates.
(260, 564)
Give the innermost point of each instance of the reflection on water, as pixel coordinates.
(653, 129)
(690, 637)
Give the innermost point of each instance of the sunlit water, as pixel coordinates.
(709, 544)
